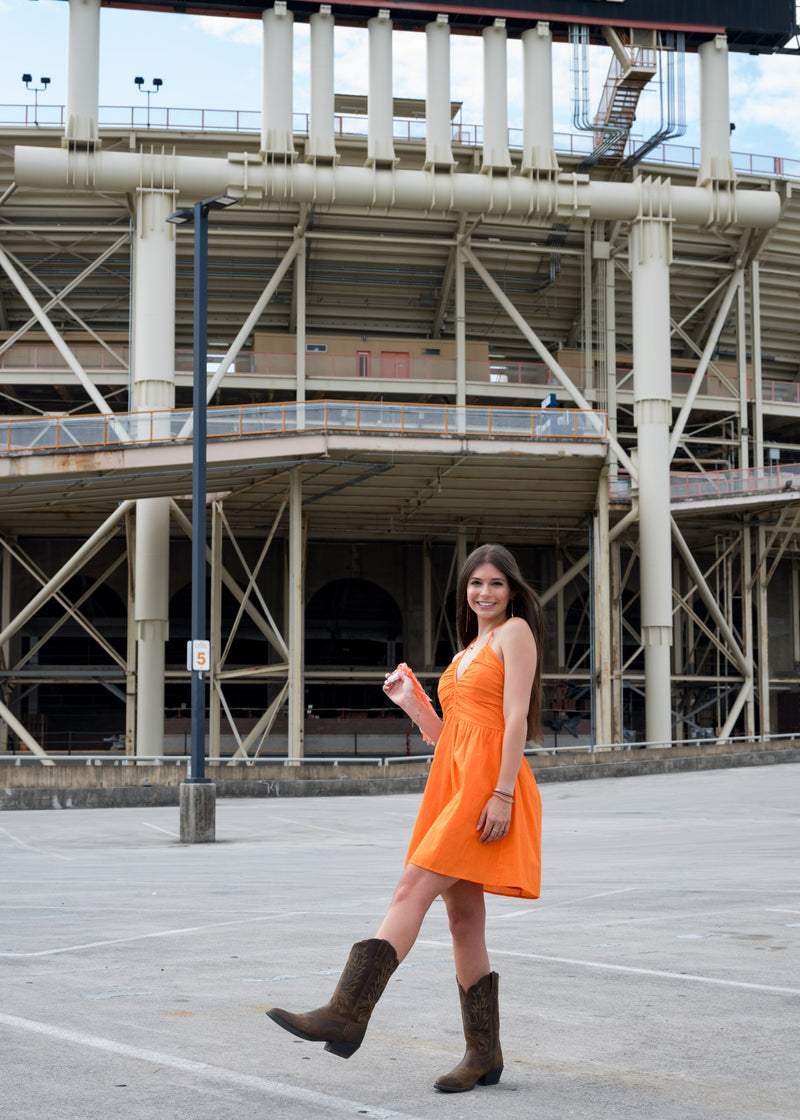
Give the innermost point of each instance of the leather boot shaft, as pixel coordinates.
(342, 1023)
(483, 1059)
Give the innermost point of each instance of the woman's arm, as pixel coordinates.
(406, 691)
(517, 649)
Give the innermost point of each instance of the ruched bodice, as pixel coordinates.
(477, 697)
(463, 775)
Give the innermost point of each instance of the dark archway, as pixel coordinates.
(351, 623)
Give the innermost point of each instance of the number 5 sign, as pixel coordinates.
(198, 655)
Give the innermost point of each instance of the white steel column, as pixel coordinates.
(83, 70)
(130, 637)
(715, 128)
(650, 253)
(295, 746)
(300, 326)
(495, 99)
(601, 686)
(380, 107)
(538, 153)
(461, 336)
(277, 134)
(438, 146)
(215, 633)
(153, 379)
(321, 143)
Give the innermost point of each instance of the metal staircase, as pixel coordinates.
(632, 66)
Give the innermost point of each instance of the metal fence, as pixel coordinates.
(115, 429)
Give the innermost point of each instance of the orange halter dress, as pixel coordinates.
(463, 774)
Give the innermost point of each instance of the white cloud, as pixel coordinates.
(247, 31)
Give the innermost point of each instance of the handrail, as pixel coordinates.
(68, 433)
(696, 485)
(408, 129)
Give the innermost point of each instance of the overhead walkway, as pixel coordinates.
(366, 464)
(731, 490)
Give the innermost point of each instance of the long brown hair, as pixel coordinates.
(524, 603)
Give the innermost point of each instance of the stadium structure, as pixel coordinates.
(423, 334)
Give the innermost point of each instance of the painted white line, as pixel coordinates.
(158, 829)
(780, 910)
(628, 968)
(210, 1073)
(532, 911)
(155, 933)
(30, 848)
(650, 972)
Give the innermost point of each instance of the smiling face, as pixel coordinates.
(488, 595)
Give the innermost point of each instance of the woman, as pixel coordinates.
(479, 824)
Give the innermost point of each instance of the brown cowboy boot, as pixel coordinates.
(342, 1023)
(483, 1060)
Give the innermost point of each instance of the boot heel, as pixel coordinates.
(492, 1077)
(343, 1049)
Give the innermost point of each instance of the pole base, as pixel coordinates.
(198, 806)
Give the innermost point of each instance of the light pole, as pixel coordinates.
(197, 802)
(36, 90)
(157, 84)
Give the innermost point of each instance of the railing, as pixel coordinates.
(685, 486)
(94, 359)
(70, 432)
(468, 135)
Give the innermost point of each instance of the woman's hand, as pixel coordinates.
(495, 820)
(400, 689)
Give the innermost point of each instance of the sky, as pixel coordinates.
(215, 63)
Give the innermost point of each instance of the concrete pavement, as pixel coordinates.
(657, 976)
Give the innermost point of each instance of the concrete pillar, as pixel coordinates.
(538, 153)
(650, 254)
(198, 804)
(321, 143)
(495, 98)
(380, 106)
(152, 621)
(295, 746)
(715, 117)
(153, 387)
(438, 146)
(277, 132)
(83, 70)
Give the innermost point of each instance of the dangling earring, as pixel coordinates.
(512, 608)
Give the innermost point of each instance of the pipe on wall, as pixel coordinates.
(391, 188)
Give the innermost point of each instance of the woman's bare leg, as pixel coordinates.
(466, 911)
(411, 901)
